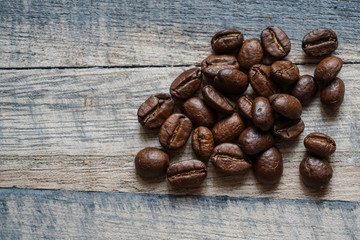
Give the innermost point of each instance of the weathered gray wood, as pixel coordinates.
(31, 214)
(78, 130)
(125, 33)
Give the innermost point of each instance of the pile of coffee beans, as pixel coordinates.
(234, 130)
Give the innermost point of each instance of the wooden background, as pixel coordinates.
(72, 76)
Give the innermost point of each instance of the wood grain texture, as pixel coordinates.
(53, 33)
(31, 214)
(78, 130)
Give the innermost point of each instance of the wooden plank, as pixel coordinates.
(31, 214)
(78, 130)
(126, 33)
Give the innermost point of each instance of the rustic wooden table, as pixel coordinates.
(73, 74)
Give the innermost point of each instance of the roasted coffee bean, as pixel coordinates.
(186, 84)
(151, 162)
(304, 89)
(320, 144)
(211, 65)
(332, 95)
(250, 53)
(262, 113)
(268, 166)
(253, 140)
(231, 81)
(216, 100)
(153, 112)
(287, 105)
(259, 77)
(229, 158)
(275, 42)
(199, 113)
(315, 173)
(228, 129)
(284, 72)
(227, 41)
(186, 173)
(288, 128)
(175, 131)
(327, 70)
(245, 106)
(202, 142)
(320, 42)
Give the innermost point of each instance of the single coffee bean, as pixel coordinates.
(259, 77)
(332, 95)
(275, 42)
(175, 131)
(262, 113)
(284, 72)
(250, 53)
(268, 166)
(153, 112)
(287, 105)
(231, 81)
(151, 162)
(245, 106)
(186, 84)
(199, 113)
(186, 173)
(320, 42)
(253, 140)
(315, 173)
(202, 142)
(327, 70)
(229, 158)
(227, 41)
(228, 129)
(217, 101)
(304, 89)
(211, 65)
(288, 128)
(320, 144)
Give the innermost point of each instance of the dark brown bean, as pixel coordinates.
(227, 41)
(287, 105)
(288, 128)
(275, 42)
(211, 65)
(151, 162)
(231, 81)
(199, 113)
(304, 89)
(245, 106)
(314, 172)
(320, 42)
(175, 131)
(284, 72)
(327, 70)
(320, 144)
(262, 113)
(333, 94)
(186, 173)
(268, 166)
(259, 77)
(228, 129)
(202, 142)
(217, 101)
(186, 84)
(229, 158)
(153, 112)
(253, 140)
(250, 53)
